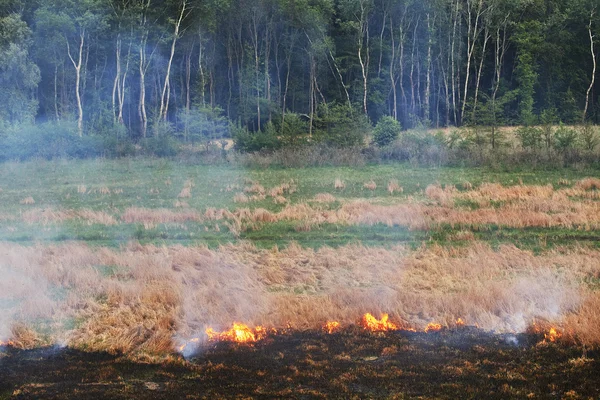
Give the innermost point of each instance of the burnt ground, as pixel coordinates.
(461, 363)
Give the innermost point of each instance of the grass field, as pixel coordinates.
(139, 257)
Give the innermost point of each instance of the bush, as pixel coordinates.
(161, 146)
(247, 142)
(564, 138)
(530, 137)
(50, 140)
(386, 131)
(340, 125)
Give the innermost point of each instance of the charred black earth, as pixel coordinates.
(460, 363)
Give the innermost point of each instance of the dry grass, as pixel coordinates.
(27, 201)
(154, 295)
(240, 198)
(370, 185)
(339, 184)
(588, 184)
(324, 198)
(186, 193)
(255, 188)
(159, 216)
(81, 189)
(394, 187)
(50, 216)
(279, 200)
(284, 188)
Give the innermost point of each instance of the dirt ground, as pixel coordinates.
(459, 363)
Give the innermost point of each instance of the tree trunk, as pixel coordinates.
(486, 38)
(587, 95)
(472, 35)
(392, 72)
(77, 65)
(164, 99)
(117, 77)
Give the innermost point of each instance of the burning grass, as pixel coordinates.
(150, 296)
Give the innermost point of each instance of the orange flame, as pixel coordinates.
(240, 333)
(433, 327)
(553, 335)
(371, 323)
(332, 326)
(460, 322)
(186, 344)
(10, 343)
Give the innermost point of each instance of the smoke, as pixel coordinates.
(162, 299)
(24, 299)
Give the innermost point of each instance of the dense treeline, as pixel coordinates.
(145, 68)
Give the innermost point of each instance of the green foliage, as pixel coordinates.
(161, 146)
(19, 76)
(202, 124)
(589, 137)
(294, 130)
(246, 141)
(48, 141)
(386, 131)
(341, 125)
(565, 138)
(530, 137)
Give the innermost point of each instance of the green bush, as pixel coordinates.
(564, 138)
(530, 137)
(50, 140)
(161, 146)
(386, 131)
(340, 125)
(247, 142)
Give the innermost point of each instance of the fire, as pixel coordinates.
(553, 335)
(332, 326)
(433, 327)
(371, 323)
(10, 343)
(240, 333)
(192, 341)
(460, 322)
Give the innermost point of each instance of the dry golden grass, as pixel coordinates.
(339, 184)
(240, 198)
(284, 188)
(159, 216)
(50, 216)
(324, 198)
(81, 189)
(186, 193)
(154, 295)
(27, 201)
(394, 187)
(588, 184)
(279, 200)
(255, 188)
(370, 185)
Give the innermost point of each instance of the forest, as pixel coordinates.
(197, 69)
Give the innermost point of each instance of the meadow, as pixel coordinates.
(140, 256)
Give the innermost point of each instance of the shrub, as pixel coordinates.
(340, 125)
(565, 138)
(161, 146)
(50, 140)
(530, 137)
(247, 142)
(386, 131)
